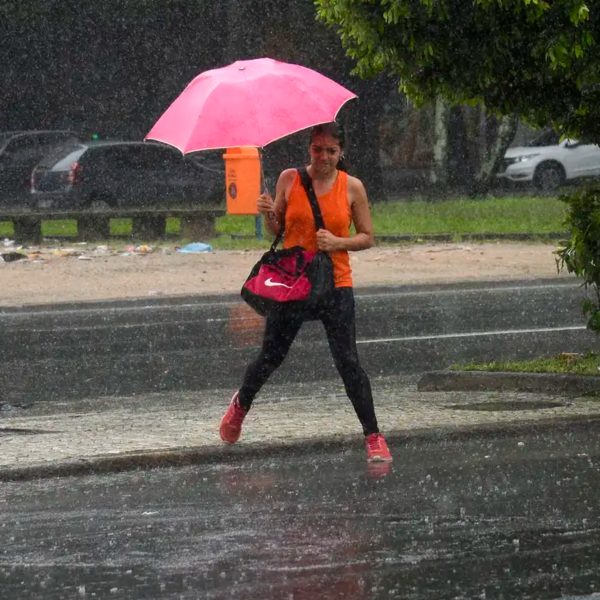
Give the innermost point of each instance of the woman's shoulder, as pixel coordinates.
(354, 183)
(356, 190)
(286, 181)
(288, 175)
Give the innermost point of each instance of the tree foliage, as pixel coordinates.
(535, 58)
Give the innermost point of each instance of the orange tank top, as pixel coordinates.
(300, 227)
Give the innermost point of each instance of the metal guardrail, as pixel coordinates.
(147, 223)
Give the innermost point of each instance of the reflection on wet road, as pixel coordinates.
(511, 516)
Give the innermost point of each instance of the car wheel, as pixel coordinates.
(549, 177)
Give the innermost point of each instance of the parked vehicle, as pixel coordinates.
(548, 163)
(20, 151)
(118, 174)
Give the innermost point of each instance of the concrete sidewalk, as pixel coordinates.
(176, 428)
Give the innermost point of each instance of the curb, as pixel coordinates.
(182, 457)
(480, 381)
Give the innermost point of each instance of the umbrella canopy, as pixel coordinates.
(248, 103)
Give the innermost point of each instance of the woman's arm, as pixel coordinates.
(273, 209)
(361, 217)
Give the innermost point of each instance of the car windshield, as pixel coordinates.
(63, 158)
(546, 138)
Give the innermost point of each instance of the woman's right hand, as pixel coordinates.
(265, 204)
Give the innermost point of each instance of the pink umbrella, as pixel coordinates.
(248, 103)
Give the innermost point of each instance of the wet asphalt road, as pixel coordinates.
(123, 348)
(494, 516)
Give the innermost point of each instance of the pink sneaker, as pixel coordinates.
(231, 423)
(377, 449)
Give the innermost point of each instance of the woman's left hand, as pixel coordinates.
(326, 241)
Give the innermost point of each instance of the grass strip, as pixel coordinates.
(567, 363)
(532, 215)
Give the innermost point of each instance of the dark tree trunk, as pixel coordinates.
(507, 127)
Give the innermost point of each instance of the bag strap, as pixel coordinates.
(314, 205)
(310, 192)
(277, 238)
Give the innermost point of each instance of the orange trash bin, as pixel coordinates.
(242, 180)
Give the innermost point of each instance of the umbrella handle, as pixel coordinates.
(263, 179)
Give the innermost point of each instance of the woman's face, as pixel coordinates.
(325, 152)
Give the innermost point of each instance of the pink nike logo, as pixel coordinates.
(270, 283)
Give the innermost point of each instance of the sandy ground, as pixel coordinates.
(86, 272)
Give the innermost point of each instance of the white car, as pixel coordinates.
(550, 166)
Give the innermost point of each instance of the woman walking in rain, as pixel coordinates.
(343, 202)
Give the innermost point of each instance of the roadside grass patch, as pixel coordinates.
(522, 214)
(567, 363)
(534, 215)
(237, 225)
(6, 229)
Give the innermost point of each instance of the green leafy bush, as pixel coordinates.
(580, 254)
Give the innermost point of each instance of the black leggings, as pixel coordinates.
(339, 323)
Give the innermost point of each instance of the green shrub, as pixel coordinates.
(580, 254)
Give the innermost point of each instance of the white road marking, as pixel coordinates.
(453, 290)
(468, 334)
